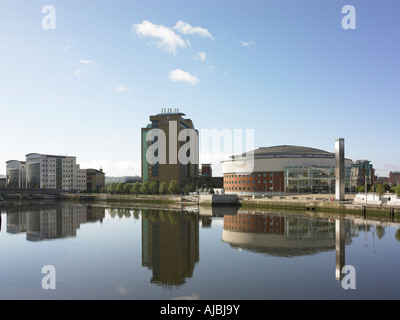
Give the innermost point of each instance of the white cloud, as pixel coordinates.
(68, 46)
(179, 75)
(200, 56)
(121, 88)
(165, 37)
(186, 28)
(82, 70)
(83, 61)
(248, 44)
(78, 73)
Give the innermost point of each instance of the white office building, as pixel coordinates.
(54, 172)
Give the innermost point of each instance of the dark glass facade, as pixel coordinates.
(59, 173)
(33, 175)
(13, 178)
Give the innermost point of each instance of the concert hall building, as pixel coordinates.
(283, 169)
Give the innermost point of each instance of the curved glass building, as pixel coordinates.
(16, 174)
(33, 170)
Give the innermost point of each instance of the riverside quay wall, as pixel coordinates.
(305, 202)
(212, 200)
(323, 204)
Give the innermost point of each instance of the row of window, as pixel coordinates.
(65, 181)
(252, 175)
(54, 160)
(248, 181)
(253, 189)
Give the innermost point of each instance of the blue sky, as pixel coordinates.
(286, 69)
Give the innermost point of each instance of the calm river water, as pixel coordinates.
(73, 251)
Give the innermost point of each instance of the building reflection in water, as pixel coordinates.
(51, 221)
(170, 245)
(289, 235)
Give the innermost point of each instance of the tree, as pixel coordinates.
(136, 188)
(127, 188)
(112, 187)
(192, 187)
(173, 187)
(144, 188)
(163, 188)
(186, 188)
(380, 189)
(120, 188)
(153, 187)
(397, 191)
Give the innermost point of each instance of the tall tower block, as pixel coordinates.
(339, 169)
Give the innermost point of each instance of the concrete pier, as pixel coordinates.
(219, 199)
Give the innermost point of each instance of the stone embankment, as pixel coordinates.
(325, 203)
(319, 203)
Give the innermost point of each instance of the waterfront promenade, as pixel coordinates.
(321, 202)
(305, 202)
(298, 202)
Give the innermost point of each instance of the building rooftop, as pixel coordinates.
(170, 111)
(49, 155)
(286, 151)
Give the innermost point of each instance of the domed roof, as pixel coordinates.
(286, 151)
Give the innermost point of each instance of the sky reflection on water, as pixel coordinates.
(100, 252)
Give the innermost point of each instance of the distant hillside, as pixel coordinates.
(2, 176)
